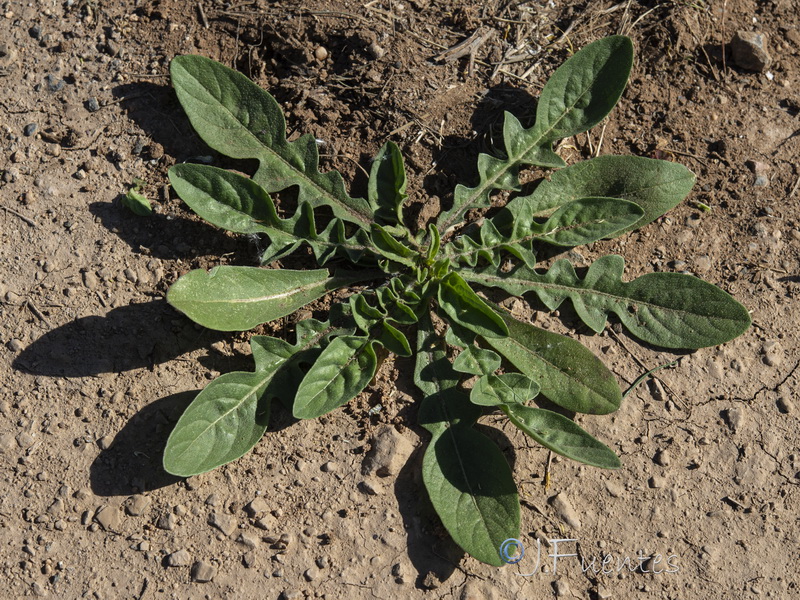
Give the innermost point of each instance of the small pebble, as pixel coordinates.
(376, 51)
(773, 353)
(656, 482)
(179, 558)
(311, 574)
(10, 175)
(289, 594)
(563, 507)
(256, 507)
(662, 458)
(167, 522)
(104, 443)
(29, 129)
(136, 505)
(15, 345)
(734, 417)
(785, 405)
(108, 517)
(321, 53)
(54, 84)
(328, 467)
(92, 105)
(203, 572)
(561, 588)
(225, 523)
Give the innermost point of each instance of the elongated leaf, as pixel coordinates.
(237, 118)
(508, 388)
(468, 479)
(577, 222)
(343, 370)
(568, 373)
(671, 310)
(578, 96)
(230, 298)
(472, 490)
(391, 248)
(237, 203)
(655, 185)
(584, 89)
(561, 435)
(230, 415)
(467, 309)
(386, 189)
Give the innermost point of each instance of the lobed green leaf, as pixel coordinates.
(655, 185)
(238, 119)
(230, 415)
(581, 221)
(671, 310)
(577, 96)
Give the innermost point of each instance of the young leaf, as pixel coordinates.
(655, 185)
(508, 388)
(343, 369)
(670, 310)
(228, 298)
(561, 435)
(581, 221)
(467, 309)
(238, 119)
(390, 248)
(228, 417)
(467, 478)
(386, 189)
(568, 373)
(578, 96)
(137, 203)
(394, 340)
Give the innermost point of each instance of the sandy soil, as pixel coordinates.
(97, 366)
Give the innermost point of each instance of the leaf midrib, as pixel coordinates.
(478, 277)
(511, 162)
(359, 218)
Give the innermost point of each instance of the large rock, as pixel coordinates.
(749, 50)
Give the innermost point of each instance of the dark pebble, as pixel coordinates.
(29, 129)
(54, 84)
(35, 31)
(92, 105)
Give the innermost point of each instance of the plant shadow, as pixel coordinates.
(132, 464)
(126, 338)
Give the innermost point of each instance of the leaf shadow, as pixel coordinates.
(129, 337)
(132, 464)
